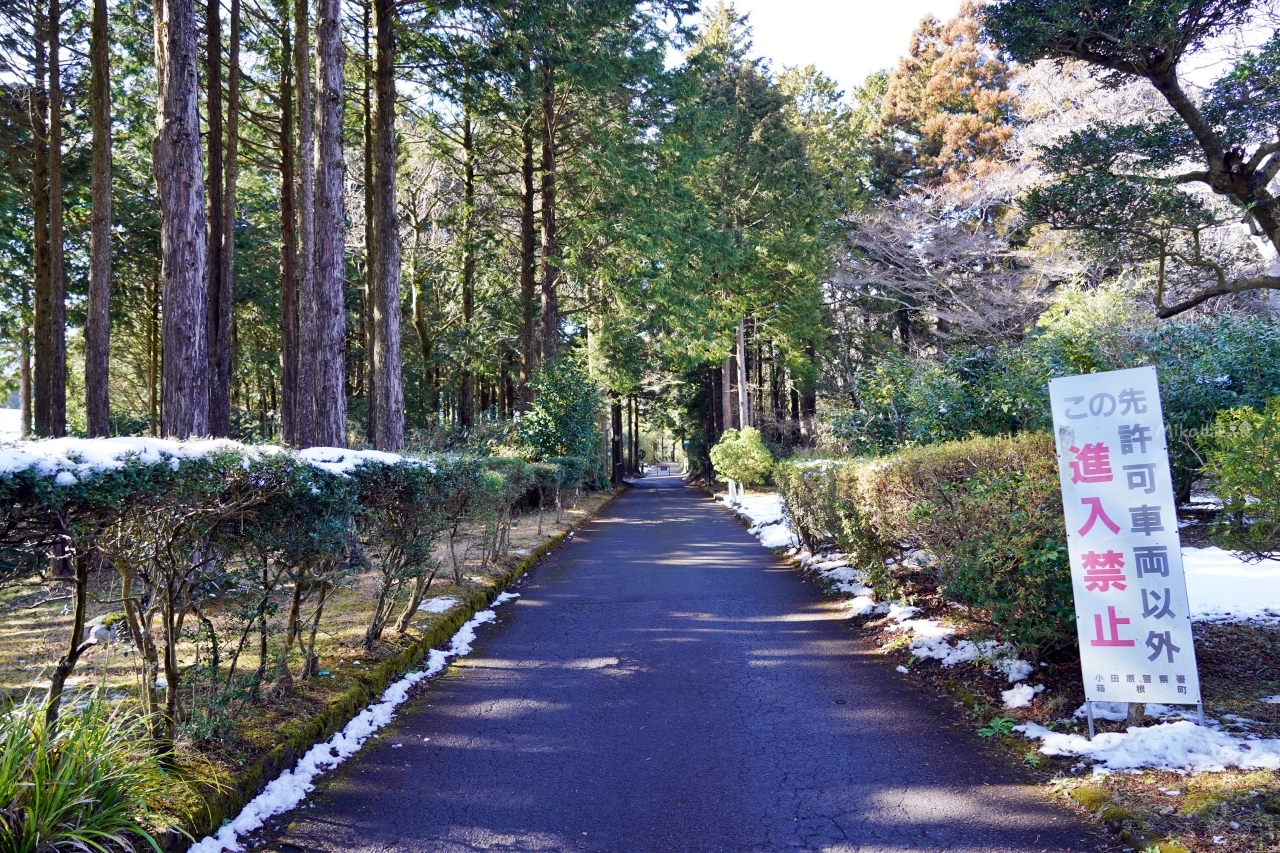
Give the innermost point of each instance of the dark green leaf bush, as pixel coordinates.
(562, 421)
(1244, 462)
(813, 506)
(1206, 365)
(740, 455)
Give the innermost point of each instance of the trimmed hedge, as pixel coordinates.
(209, 539)
(981, 519)
(201, 528)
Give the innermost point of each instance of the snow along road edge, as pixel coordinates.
(1175, 744)
(291, 787)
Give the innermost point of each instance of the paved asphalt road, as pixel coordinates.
(665, 684)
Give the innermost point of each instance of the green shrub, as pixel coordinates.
(509, 479)
(1244, 461)
(83, 785)
(810, 500)
(1206, 365)
(981, 517)
(401, 517)
(562, 421)
(573, 471)
(740, 455)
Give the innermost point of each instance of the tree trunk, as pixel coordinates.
(466, 378)
(76, 644)
(176, 161)
(329, 355)
(726, 396)
(615, 411)
(220, 302)
(550, 238)
(56, 346)
(387, 390)
(288, 243)
(40, 222)
(370, 235)
(304, 392)
(24, 370)
(97, 329)
(153, 356)
(214, 143)
(744, 398)
(528, 274)
(808, 400)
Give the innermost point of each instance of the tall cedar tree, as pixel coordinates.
(328, 348)
(385, 298)
(948, 109)
(183, 257)
(97, 330)
(307, 322)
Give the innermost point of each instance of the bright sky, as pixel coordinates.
(845, 39)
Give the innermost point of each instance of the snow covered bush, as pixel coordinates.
(208, 539)
(1244, 462)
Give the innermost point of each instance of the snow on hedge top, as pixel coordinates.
(84, 456)
(340, 461)
(71, 459)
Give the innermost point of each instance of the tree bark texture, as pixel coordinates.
(528, 270)
(24, 373)
(466, 377)
(328, 356)
(370, 237)
(550, 238)
(97, 329)
(726, 395)
(288, 244)
(304, 390)
(744, 398)
(214, 154)
(389, 427)
(39, 105)
(615, 412)
(220, 303)
(56, 346)
(178, 171)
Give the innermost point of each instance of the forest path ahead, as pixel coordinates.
(666, 684)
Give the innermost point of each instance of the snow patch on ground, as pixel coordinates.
(1178, 746)
(291, 787)
(1020, 695)
(930, 638)
(765, 514)
(439, 604)
(1222, 587)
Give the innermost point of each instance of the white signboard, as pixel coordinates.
(1122, 534)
